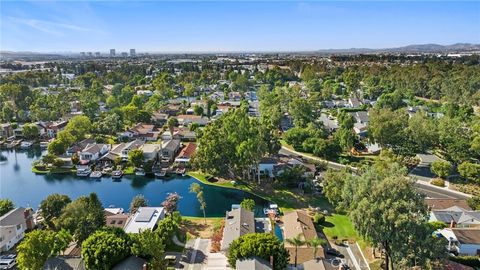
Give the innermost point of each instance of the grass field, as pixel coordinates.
(339, 226)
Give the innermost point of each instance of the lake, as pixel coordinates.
(25, 188)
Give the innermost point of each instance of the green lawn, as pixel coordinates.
(339, 226)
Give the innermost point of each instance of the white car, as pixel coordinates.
(7, 261)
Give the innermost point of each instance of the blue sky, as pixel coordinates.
(60, 26)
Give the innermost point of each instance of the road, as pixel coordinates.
(421, 173)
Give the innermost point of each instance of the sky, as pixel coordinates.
(221, 26)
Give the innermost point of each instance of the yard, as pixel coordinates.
(339, 226)
(196, 227)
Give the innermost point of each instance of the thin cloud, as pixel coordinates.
(50, 27)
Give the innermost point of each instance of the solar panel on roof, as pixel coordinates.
(145, 215)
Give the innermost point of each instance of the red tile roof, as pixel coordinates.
(188, 150)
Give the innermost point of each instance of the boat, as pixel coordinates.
(161, 173)
(107, 170)
(96, 174)
(26, 145)
(181, 171)
(139, 172)
(84, 172)
(117, 174)
(43, 145)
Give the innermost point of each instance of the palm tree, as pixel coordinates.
(315, 243)
(296, 242)
(196, 188)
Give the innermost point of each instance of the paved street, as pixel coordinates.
(330, 164)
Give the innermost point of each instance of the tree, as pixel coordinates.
(198, 110)
(62, 239)
(105, 248)
(171, 202)
(470, 171)
(57, 147)
(296, 241)
(30, 131)
(387, 127)
(315, 243)
(474, 202)
(423, 131)
(263, 245)
(136, 157)
(79, 126)
(334, 182)
(52, 207)
(441, 168)
(391, 217)
(137, 202)
(197, 189)
(34, 250)
(345, 133)
(247, 204)
(6, 205)
(172, 122)
(150, 245)
(291, 176)
(82, 217)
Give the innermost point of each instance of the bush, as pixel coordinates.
(470, 171)
(473, 261)
(319, 219)
(474, 202)
(439, 182)
(441, 168)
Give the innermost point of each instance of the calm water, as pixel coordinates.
(24, 188)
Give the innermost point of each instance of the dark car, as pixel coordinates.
(334, 252)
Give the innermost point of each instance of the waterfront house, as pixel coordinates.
(186, 153)
(92, 152)
(150, 151)
(55, 127)
(78, 147)
(6, 130)
(145, 218)
(463, 241)
(299, 224)
(115, 217)
(141, 131)
(238, 222)
(169, 150)
(120, 151)
(13, 226)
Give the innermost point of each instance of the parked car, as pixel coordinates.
(334, 252)
(8, 261)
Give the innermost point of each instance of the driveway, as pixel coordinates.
(422, 171)
(353, 256)
(195, 257)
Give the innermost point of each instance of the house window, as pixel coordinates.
(19, 226)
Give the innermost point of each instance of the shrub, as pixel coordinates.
(473, 261)
(474, 202)
(470, 171)
(441, 168)
(439, 182)
(319, 219)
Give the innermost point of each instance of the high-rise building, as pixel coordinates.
(89, 54)
(112, 52)
(132, 52)
(97, 54)
(124, 54)
(82, 54)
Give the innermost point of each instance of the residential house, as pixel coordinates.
(253, 263)
(171, 110)
(92, 152)
(120, 151)
(6, 130)
(150, 151)
(132, 263)
(13, 226)
(159, 118)
(361, 117)
(145, 218)
(329, 122)
(54, 128)
(180, 133)
(275, 165)
(79, 146)
(353, 102)
(142, 131)
(186, 153)
(464, 241)
(169, 150)
(299, 224)
(236, 96)
(115, 217)
(185, 120)
(442, 204)
(238, 222)
(456, 217)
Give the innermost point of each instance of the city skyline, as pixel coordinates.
(52, 26)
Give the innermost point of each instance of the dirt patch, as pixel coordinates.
(199, 228)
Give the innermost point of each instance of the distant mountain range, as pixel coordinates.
(418, 48)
